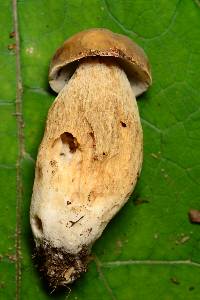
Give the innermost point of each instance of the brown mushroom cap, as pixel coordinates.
(100, 42)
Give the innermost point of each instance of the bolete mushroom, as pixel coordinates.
(91, 153)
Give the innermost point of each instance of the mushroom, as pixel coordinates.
(91, 154)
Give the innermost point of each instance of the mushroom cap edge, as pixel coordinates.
(104, 43)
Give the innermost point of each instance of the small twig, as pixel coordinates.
(74, 222)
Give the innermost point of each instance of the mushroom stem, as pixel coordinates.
(76, 193)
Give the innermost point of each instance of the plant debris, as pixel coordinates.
(12, 258)
(140, 201)
(12, 34)
(175, 280)
(194, 216)
(154, 155)
(182, 240)
(12, 47)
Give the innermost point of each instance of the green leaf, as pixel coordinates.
(149, 250)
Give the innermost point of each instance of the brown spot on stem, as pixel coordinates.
(53, 163)
(123, 124)
(38, 224)
(89, 230)
(39, 171)
(69, 139)
(92, 196)
(93, 138)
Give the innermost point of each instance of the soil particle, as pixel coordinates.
(54, 263)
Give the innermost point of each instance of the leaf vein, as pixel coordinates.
(110, 264)
(20, 134)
